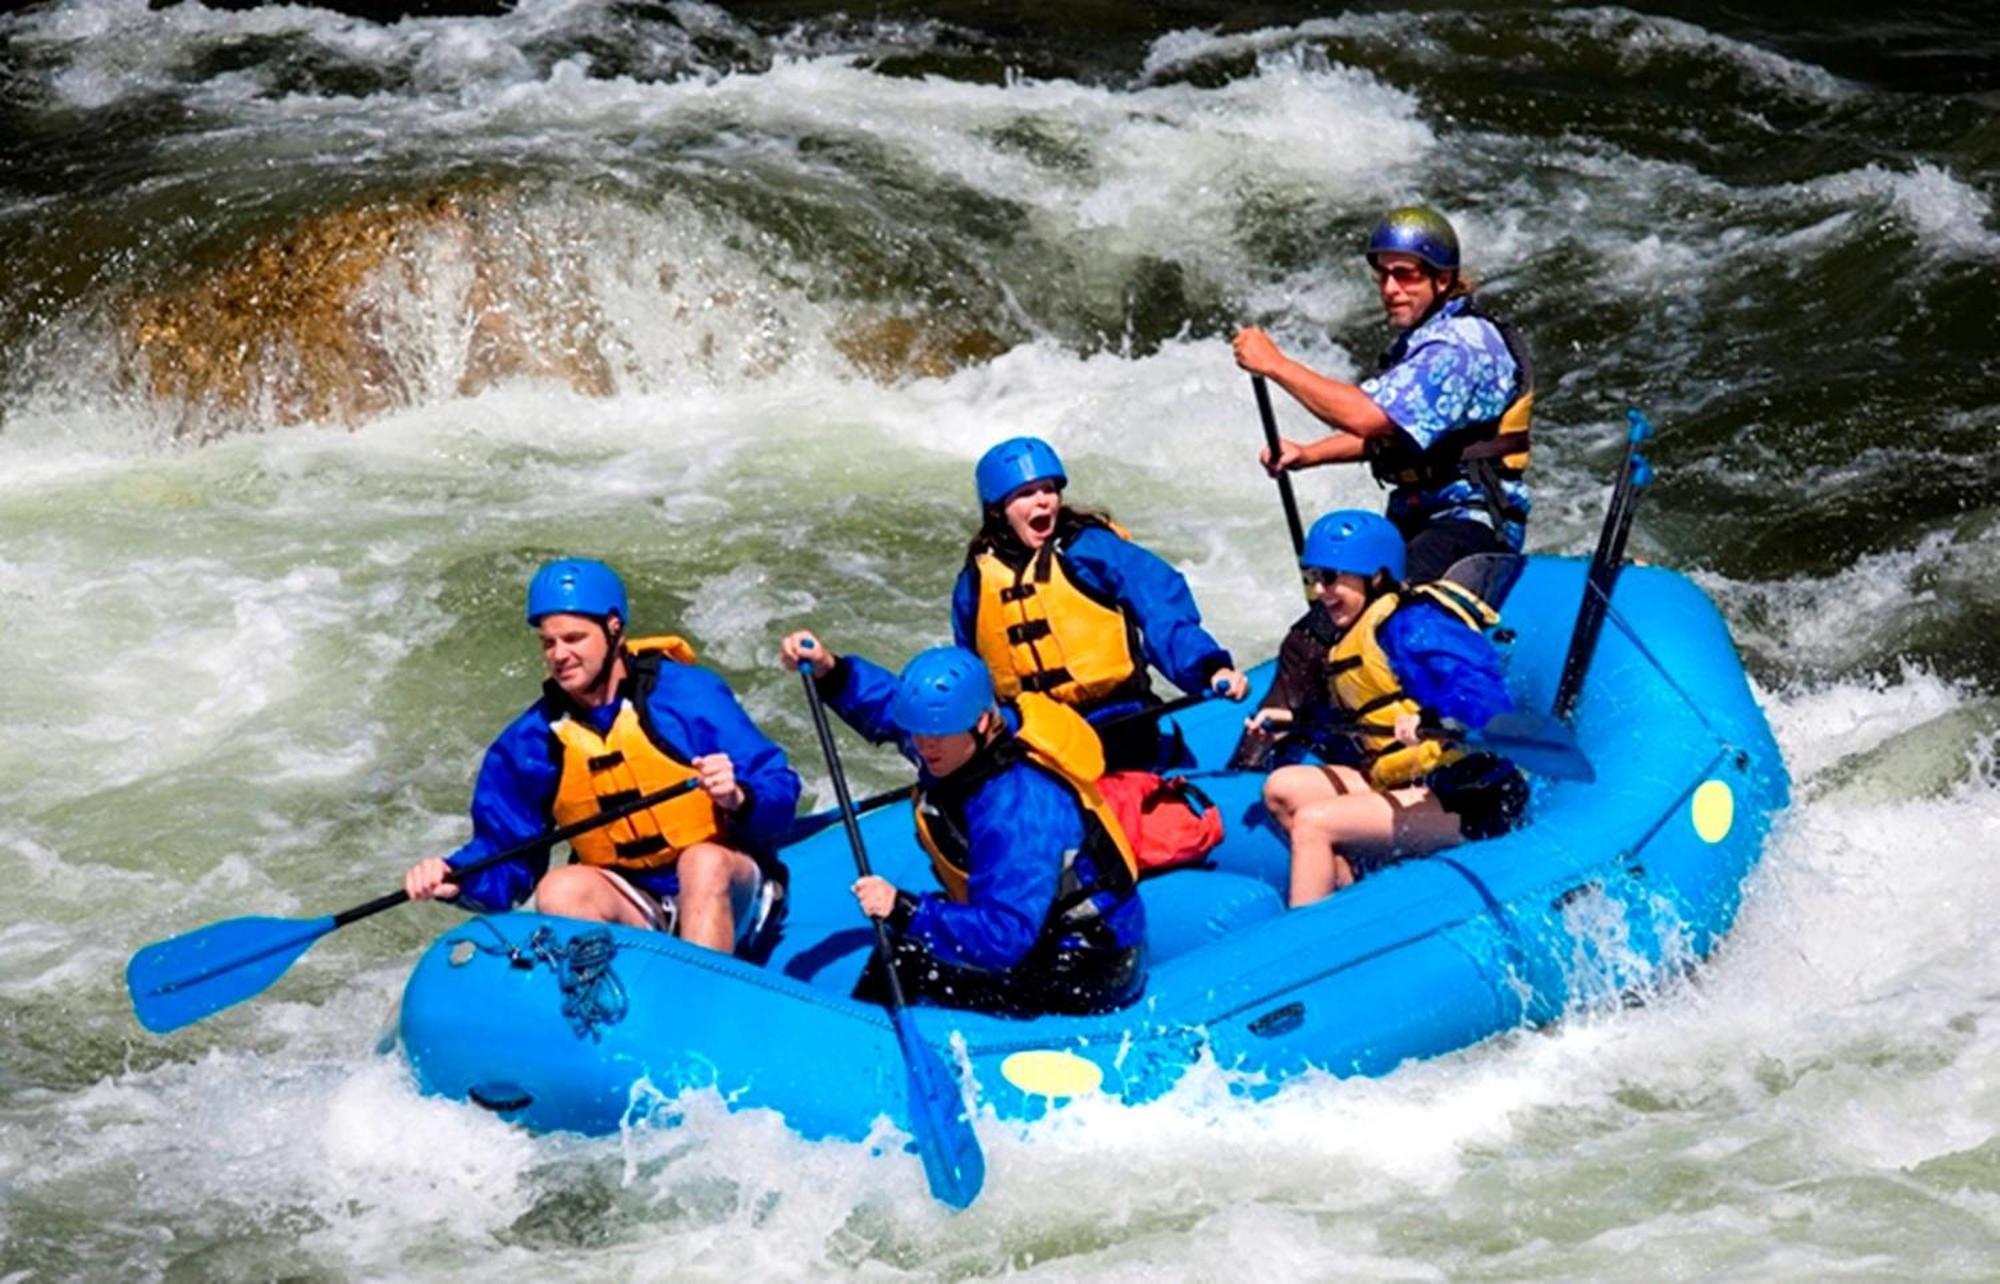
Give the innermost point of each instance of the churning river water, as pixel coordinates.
(319, 327)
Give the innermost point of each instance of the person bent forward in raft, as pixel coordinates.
(619, 718)
(1389, 661)
(1039, 911)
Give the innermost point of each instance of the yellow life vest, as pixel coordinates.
(1366, 687)
(1055, 738)
(600, 772)
(1039, 630)
(1508, 447)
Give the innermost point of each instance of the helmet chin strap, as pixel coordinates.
(599, 689)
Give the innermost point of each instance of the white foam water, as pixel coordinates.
(1836, 1043)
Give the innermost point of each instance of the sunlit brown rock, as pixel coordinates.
(319, 324)
(358, 311)
(894, 348)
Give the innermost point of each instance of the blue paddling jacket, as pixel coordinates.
(1451, 670)
(1021, 824)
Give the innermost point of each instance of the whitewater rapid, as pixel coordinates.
(251, 657)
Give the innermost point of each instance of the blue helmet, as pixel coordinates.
(1015, 463)
(941, 692)
(576, 586)
(1419, 231)
(1354, 540)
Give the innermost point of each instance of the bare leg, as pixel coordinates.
(1403, 822)
(582, 891)
(1288, 789)
(717, 883)
(1317, 873)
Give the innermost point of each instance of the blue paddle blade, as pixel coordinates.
(179, 981)
(953, 1163)
(1535, 742)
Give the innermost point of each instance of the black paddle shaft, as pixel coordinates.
(953, 1164)
(1291, 501)
(533, 845)
(884, 949)
(1598, 582)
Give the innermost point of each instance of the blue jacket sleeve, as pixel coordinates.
(1157, 597)
(511, 803)
(1451, 670)
(860, 691)
(1021, 826)
(697, 714)
(964, 608)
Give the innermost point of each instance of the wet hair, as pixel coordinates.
(1379, 583)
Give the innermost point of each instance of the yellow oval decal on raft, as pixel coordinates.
(1714, 809)
(1052, 1074)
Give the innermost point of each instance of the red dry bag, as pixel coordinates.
(1167, 820)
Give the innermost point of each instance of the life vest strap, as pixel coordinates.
(1077, 908)
(640, 848)
(1046, 680)
(616, 799)
(1485, 474)
(1029, 631)
(1473, 611)
(1380, 702)
(1016, 592)
(606, 761)
(1507, 443)
(1079, 916)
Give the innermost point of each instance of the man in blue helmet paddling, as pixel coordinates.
(1039, 911)
(1443, 422)
(619, 718)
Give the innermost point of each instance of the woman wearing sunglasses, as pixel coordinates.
(1373, 664)
(1444, 421)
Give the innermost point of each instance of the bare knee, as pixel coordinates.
(707, 870)
(1320, 821)
(1328, 825)
(568, 891)
(1284, 790)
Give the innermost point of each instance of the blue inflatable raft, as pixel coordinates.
(1606, 887)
